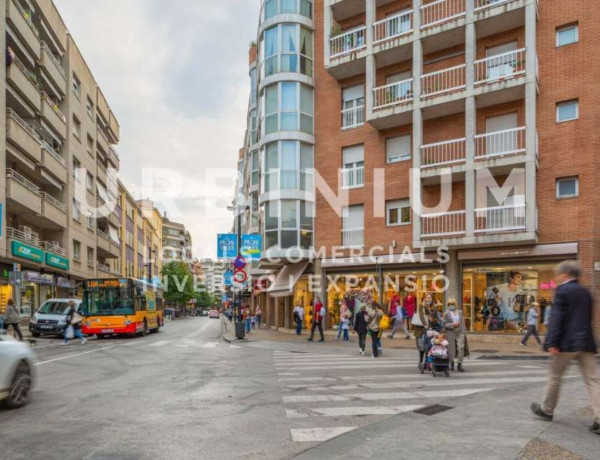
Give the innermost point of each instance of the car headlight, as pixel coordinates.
(34, 319)
(128, 322)
(62, 321)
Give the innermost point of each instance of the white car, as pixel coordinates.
(17, 372)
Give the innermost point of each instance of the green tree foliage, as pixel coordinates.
(178, 283)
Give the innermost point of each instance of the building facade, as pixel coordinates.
(211, 275)
(176, 241)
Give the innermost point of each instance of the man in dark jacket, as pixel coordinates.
(570, 337)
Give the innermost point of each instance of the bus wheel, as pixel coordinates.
(100, 336)
(157, 330)
(145, 330)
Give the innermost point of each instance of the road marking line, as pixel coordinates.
(353, 411)
(289, 373)
(530, 367)
(210, 345)
(374, 364)
(181, 345)
(234, 346)
(382, 396)
(318, 434)
(159, 343)
(74, 355)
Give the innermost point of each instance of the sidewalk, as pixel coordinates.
(477, 348)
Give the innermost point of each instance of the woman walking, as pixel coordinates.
(420, 322)
(532, 322)
(74, 321)
(456, 333)
(361, 328)
(374, 320)
(12, 318)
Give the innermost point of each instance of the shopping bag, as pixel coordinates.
(70, 332)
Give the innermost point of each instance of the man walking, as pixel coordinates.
(298, 318)
(317, 320)
(570, 337)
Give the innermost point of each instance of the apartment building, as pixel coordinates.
(176, 242)
(467, 124)
(212, 275)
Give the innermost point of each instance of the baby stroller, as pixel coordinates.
(435, 359)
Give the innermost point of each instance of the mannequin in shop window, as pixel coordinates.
(410, 305)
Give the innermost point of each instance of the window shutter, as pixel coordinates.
(398, 148)
(353, 154)
(353, 217)
(353, 92)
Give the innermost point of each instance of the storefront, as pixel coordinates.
(5, 287)
(499, 285)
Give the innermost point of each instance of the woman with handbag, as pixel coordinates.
(420, 322)
(456, 334)
(12, 318)
(73, 328)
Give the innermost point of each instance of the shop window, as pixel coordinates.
(567, 111)
(398, 212)
(398, 148)
(567, 35)
(567, 187)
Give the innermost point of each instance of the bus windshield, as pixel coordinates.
(108, 301)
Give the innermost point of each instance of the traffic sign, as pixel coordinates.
(240, 276)
(240, 262)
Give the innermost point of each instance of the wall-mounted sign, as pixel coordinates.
(57, 261)
(25, 251)
(226, 245)
(251, 245)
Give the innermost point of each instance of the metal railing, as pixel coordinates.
(444, 81)
(443, 153)
(103, 267)
(10, 113)
(13, 233)
(54, 248)
(483, 4)
(27, 17)
(28, 73)
(443, 224)
(103, 134)
(53, 106)
(348, 42)
(53, 201)
(393, 27)
(48, 148)
(501, 66)
(393, 94)
(497, 143)
(353, 117)
(500, 218)
(56, 62)
(353, 177)
(442, 11)
(353, 237)
(103, 235)
(14, 175)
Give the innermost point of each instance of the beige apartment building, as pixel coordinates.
(176, 242)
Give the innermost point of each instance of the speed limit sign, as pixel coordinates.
(240, 276)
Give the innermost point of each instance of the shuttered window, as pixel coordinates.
(398, 148)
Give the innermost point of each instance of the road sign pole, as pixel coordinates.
(239, 251)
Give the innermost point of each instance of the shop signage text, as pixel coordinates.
(57, 261)
(27, 252)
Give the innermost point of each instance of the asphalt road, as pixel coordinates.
(186, 394)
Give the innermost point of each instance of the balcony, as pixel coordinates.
(53, 69)
(22, 136)
(25, 245)
(500, 219)
(443, 224)
(54, 247)
(443, 153)
(53, 162)
(392, 95)
(53, 116)
(500, 143)
(441, 11)
(113, 158)
(102, 141)
(22, 23)
(393, 27)
(353, 177)
(106, 247)
(25, 84)
(24, 194)
(103, 267)
(348, 42)
(53, 210)
(354, 117)
(353, 237)
(102, 175)
(444, 81)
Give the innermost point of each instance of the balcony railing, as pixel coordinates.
(56, 62)
(10, 113)
(53, 201)
(27, 17)
(103, 267)
(353, 237)
(442, 11)
(443, 153)
(393, 94)
(393, 27)
(444, 81)
(103, 235)
(500, 66)
(353, 117)
(353, 177)
(28, 73)
(14, 175)
(13, 233)
(54, 106)
(443, 224)
(500, 218)
(48, 148)
(54, 248)
(348, 42)
(498, 143)
(483, 4)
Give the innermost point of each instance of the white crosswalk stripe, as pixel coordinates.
(318, 434)
(382, 396)
(160, 343)
(352, 411)
(210, 345)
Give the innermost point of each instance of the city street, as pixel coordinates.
(186, 393)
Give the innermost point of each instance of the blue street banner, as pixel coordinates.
(228, 278)
(251, 246)
(226, 246)
(224, 297)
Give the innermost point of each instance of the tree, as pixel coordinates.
(204, 299)
(178, 283)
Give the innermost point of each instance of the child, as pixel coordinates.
(439, 346)
(345, 325)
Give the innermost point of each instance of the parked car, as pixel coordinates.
(51, 317)
(214, 314)
(204, 313)
(17, 372)
(169, 313)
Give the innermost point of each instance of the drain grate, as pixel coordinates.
(432, 410)
(485, 351)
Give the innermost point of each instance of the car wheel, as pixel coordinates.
(145, 330)
(100, 336)
(35, 334)
(20, 387)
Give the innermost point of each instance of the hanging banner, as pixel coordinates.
(251, 247)
(226, 246)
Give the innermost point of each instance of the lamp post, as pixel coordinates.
(239, 209)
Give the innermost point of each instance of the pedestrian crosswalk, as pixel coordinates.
(326, 395)
(187, 344)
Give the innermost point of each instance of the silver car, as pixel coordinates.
(51, 317)
(17, 372)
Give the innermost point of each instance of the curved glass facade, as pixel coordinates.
(288, 165)
(286, 48)
(287, 106)
(272, 8)
(288, 224)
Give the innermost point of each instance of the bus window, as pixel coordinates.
(107, 301)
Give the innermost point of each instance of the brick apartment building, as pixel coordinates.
(410, 96)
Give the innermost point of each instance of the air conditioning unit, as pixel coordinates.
(35, 235)
(25, 230)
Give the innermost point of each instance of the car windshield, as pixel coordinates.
(54, 308)
(108, 301)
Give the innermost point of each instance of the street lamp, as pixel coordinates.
(239, 209)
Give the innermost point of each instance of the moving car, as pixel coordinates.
(50, 318)
(17, 365)
(214, 314)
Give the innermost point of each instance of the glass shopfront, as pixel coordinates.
(497, 297)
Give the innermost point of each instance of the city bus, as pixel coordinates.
(121, 306)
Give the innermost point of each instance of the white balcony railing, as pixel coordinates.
(443, 153)
(53, 58)
(500, 218)
(13, 233)
(54, 248)
(53, 201)
(103, 267)
(393, 27)
(103, 235)
(444, 81)
(353, 237)
(443, 224)
(393, 94)
(353, 117)
(48, 148)
(348, 42)
(28, 18)
(483, 4)
(10, 113)
(54, 106)
(498, 143)
(14, 175)
(353, 177)
(442, 11)
(500, 66)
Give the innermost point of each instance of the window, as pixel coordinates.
(89, 107)
(76, 209)
(76, 250)
(353, 226)
(567, 111)
(567, 187)
(76, 169)
(90, 256)
(255, 168)
(353, 107)
(398, 148)
(90, 145)
(398, 212)
(76, 127)
(288, 106)
(275, 7)
(353, 167)
(89, 181)
(287, 48)
(288, 165)
(90, 220)
(567, 35)
(288, 224)
(76, 86)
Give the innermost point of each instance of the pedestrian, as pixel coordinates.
(345, 325)
(361, 328)
(258, 314)
(456, 334)
(253, 321)
(12, 318)
(73, 328)
(317, 320)
(247, 319)
(343, 310)
(374, 322)
(570, 337)
(399, 322)
(420, 322)
(532, 322)
(298, 318)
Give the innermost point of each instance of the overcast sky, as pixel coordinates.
(175, 73)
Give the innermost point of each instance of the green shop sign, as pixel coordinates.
(27, 252)
(53, 260)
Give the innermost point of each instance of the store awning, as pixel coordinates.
(286, 279)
